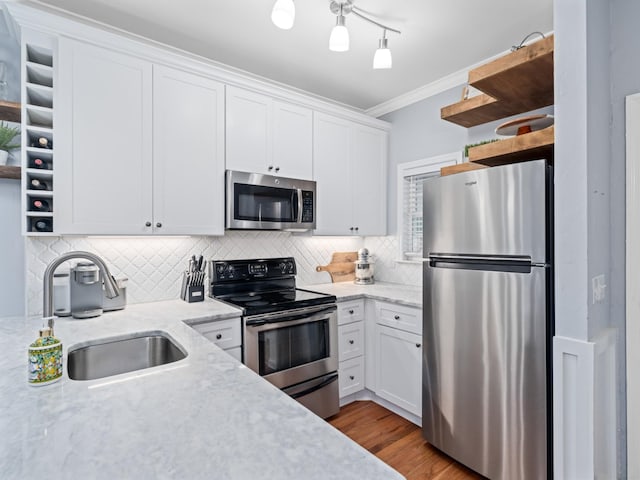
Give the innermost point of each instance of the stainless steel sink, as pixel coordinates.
(111, 356)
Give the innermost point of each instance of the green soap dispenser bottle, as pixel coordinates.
(45, 358)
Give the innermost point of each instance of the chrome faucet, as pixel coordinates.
(110, 286)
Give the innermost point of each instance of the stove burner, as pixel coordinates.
(257, 303)
(246, 298)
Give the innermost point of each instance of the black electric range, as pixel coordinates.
(261, 286)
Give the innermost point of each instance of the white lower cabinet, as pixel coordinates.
(227, 334)
(399, 372)
(351, 347)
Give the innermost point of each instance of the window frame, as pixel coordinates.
(418, 167)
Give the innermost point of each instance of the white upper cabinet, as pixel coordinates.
(142, 146)
(350, 161)
(332, 172)
(268, 136)
(103, 172)
(188, 153)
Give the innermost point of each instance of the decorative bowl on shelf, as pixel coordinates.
(522, 125)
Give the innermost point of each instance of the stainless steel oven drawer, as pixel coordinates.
(319, 395)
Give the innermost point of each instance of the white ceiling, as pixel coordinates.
(438, 38)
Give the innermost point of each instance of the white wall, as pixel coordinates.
(11, 244)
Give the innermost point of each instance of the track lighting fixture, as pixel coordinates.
(339, 39)
(283, 15)
(382, 57)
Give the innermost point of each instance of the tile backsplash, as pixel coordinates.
(154, 265)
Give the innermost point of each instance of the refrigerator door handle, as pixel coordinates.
(497, 263)
(463, 258)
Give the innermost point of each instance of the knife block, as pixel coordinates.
(194, 293)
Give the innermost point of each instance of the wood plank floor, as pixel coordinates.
(397, 442)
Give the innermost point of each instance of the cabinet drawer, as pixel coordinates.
(224, 333)
(350, 340)
(397, 316)
(351, 376)
(351, 311)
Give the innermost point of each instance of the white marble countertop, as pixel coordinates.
(408, 295)
(206, 416)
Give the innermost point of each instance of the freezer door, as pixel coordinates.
(484, 369)
(498, 210)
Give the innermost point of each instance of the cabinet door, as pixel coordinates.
(103, 137)
(188, 159)
(332, 172)
(292, 140)
(369, 186)
(399, 378)
(249, 140)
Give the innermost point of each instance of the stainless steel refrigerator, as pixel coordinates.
(488, 319)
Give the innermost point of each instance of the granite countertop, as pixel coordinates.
(408, 295)
(207, 416)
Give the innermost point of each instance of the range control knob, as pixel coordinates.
(283, 267)
(220, 268)
(290, 267)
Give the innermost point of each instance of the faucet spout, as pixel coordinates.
(110, 286)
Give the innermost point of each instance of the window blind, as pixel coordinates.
(412, 218)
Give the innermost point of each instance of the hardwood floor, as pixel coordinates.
(397, 442)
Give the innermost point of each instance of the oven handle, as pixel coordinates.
(278, 318)
(322, 384)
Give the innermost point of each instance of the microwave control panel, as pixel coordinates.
(307, 206)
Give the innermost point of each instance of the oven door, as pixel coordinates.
(292, 347)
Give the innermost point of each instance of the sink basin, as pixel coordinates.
(111, 356)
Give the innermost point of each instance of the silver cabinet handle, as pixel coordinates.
(277, 169)
(351, 377)
(418, 345)
(148, 224)
(350, 342)
(356, 229)
(351, 312)
(270, 167)
(218, 336)
(397, 317)
(351, 228)
(158, 225)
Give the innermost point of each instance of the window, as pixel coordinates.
(410, 180)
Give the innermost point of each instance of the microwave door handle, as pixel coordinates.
(299, 216)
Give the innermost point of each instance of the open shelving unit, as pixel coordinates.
(518, 82)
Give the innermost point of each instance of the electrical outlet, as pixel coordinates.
(598, 289)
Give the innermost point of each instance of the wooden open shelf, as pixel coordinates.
(10, 172)
(518, 82)
(460, 167)
(520, 148)
(10, 111)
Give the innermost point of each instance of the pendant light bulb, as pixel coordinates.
(283, 14)
(382, 57)
(339, 39)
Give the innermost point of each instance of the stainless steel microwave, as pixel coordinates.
(264, 202)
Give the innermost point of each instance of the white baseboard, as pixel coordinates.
(368, 395)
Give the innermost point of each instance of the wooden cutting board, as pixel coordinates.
(342, 267)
